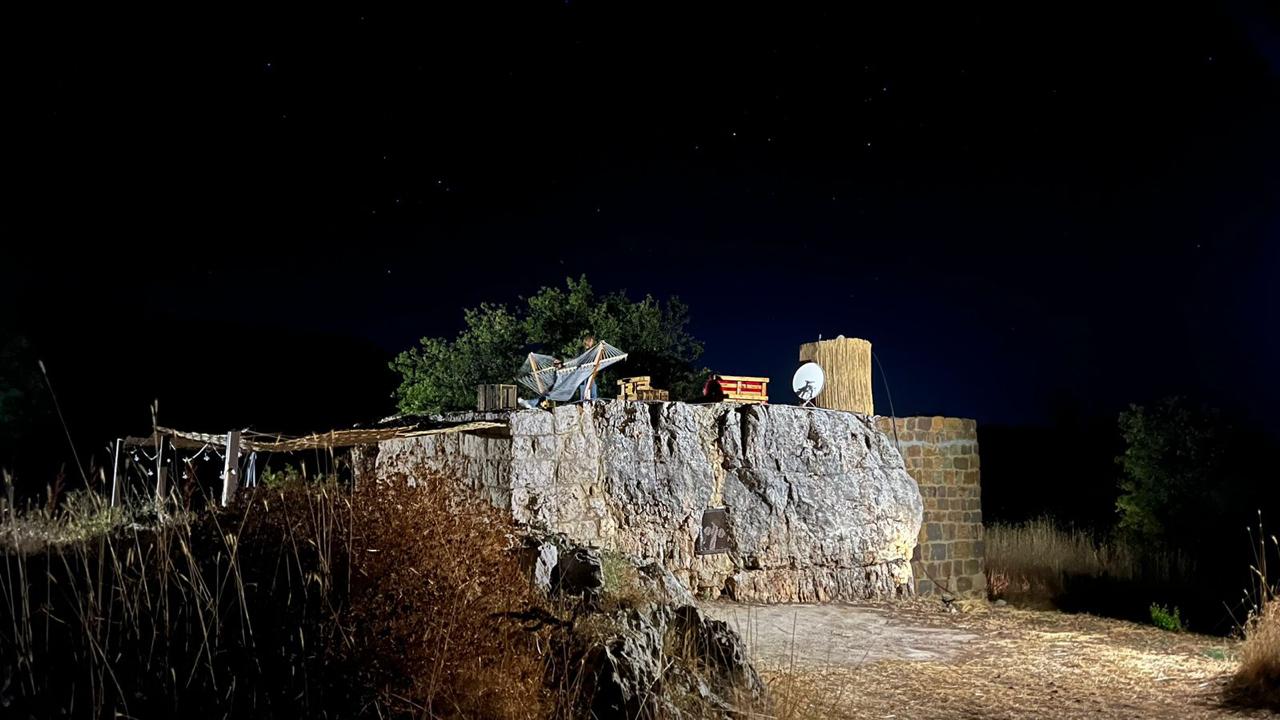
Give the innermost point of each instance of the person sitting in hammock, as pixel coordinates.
(552, 379)
(587, 391)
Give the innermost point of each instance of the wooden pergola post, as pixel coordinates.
(231, 468)
(115, 474)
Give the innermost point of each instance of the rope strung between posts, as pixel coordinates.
(204, 442)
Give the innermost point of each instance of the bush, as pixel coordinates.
(1165, 619)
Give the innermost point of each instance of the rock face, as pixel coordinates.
(638, 646)
(818, 505)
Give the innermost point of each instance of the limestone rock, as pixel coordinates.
(818, 504)
(665, 660)
(545, 560)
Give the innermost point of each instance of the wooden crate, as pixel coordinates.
(496, 397)
(639, 388)
(738, 388)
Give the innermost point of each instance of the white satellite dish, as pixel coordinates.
(807, 382)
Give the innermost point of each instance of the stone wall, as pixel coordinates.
(819, 504)
(942, 455)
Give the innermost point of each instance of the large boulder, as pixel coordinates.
(818, 504)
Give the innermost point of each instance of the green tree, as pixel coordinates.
(1175, 475)
(441, 374)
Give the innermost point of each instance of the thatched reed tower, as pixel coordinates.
(847, 364)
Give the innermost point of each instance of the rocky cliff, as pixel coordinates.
(817, 504)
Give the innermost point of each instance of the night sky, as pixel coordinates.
(246, 214)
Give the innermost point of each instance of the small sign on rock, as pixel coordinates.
(714, 538)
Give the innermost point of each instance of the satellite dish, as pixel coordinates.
(807, 382)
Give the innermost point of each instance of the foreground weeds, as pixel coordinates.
(300, 601)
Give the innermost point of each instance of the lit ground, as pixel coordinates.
(917, 661)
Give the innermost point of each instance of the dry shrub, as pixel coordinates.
(1258, 679)
(435, 597)
(299, 601)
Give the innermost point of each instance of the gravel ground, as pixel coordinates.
(916, 660)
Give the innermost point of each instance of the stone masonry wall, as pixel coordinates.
(942, 455)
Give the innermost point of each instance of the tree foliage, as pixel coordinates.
(441, 374)
(1176, 478)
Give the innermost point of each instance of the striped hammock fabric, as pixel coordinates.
(540, 374)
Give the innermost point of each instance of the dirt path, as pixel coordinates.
(836, 635)
(915, 660)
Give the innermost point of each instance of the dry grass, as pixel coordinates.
(304, 600)
(440, 581)
(301, 601)
(1035, 561)
(1257, 681)
(183, 614)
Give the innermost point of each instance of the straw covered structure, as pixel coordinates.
(847, 365)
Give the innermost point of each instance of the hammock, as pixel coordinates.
(540, 374)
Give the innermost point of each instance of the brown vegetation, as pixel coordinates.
(300, 601)
(304, 600)
(436, 589)
(1257, 682)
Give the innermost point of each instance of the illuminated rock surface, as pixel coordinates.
(818, 504)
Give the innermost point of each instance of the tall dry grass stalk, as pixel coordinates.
(1258, 677)
(180, 613)
(1257, 680)
(1036, 559)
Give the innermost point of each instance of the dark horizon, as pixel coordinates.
(1029, 216)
